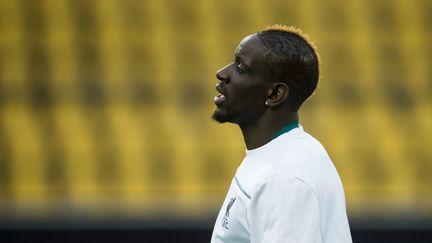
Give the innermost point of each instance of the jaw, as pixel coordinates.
(224, 114)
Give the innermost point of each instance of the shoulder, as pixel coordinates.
(292, 159)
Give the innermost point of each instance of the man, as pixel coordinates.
(286, 189)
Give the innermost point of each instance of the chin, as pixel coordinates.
(221, 115)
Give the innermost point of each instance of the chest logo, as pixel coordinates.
(225, 218)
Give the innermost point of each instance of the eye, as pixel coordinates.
(239, 69)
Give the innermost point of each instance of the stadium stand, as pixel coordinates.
(105, 105)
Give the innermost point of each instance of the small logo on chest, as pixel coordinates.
(225, 218)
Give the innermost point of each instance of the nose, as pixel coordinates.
(222, 75)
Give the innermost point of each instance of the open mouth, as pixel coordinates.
(218, 99)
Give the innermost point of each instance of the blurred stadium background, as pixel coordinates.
(105, 130)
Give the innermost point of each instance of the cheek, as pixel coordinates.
(251, 97)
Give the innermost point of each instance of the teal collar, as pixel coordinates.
(286, 128)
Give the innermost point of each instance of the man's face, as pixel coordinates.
(242, 85)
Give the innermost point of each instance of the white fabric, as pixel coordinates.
(285, 191)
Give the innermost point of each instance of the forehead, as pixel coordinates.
(250, 49)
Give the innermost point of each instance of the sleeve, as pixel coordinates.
(284, 210)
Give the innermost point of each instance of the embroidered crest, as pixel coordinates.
(225, 218)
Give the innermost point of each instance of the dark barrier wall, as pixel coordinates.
(188, 236)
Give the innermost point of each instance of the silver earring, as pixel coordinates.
(266, 103)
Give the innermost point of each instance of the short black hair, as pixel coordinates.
(291, 58)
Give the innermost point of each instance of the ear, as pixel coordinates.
(276, 94)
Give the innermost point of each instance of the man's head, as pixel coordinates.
(275, 69)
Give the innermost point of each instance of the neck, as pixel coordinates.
(262, 131)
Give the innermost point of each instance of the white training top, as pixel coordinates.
(287, 190)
